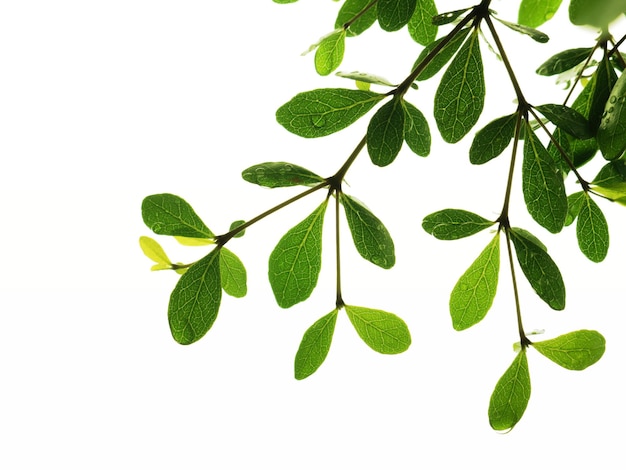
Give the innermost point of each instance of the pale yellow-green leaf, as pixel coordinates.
(189, 241)
(153, 250)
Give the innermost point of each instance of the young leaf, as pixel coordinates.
(574, 203)
(329, 52)
(612, 131)
(232, 274)
(153, 250)
(568, 119)
(442, 58)
(166, 214)
(371, 238)
(349, 10)
(491, 140)
(533, 33)
(421, 27)
(563, 61)
(384, 332)
(540, 270)
(452, 224)
(314, 346)
(574, 351)
(195, 300)
(385, 133)
(318, 113)
(542, 185)
(473, 294)
(416, 131)
(511, 395)
(460, 97)
(592, 230)
(534, 13)
(295, 263)
(234, 225)
(394, 14)
(280, 175)
(188, 241)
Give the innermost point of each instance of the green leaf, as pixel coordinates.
(188, 241)
(314, 346)
(574, 351)
(421, 27)
(384, 332)
(322, 112)
(153, 250)
(443, 57)
(564, 61)
(511, 395)
(491, 140)
(473, 294)
(234, 225)
(166, 214)
(366, 78)
(329, 53)
(385, 133)
(605, 81)
(232, 274)
(416, 130)
(529, 236)
(195, 300)
(568, 119)
(574, 203)
(295, 263)
(533, 33)
(460, 97)
(592, 230)
(534, 13)
(612, 131)
(371, 238)
(563, 139)
(284, 1)
(352, 8)
(611, 181)
(540, 270)
(452, 224)
(280, 175)
(448, 17)
(394, 14)
(542, 185)
(588, 12)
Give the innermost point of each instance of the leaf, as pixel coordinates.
(188, 241)
(491, 140)
(611, 181)
(421, 27)
(442, 58)
(416, 130)
(329, 53)
(394, 14)
(542, 185)
(384, 332)
(564, 61)
(352, 8)
(295, 263)
(322, 112)
(371, 238)
(195, 301)
(511, 395)
(366, 78)
(153, 250)
(232, 274)
(574, 203)
(448, 17)
(314, 346)
(236, 224)
(452, 224)
(526, 234)
(586, 12)
(567, 119)
(460, 97)
(280, 175)
(574, 351)
(612, 131)
(534, 13)
(284, 1)
(528, 31)
(605, 81)
(473, 294)
(385, 133)
(563, 139)
(592, 230)
(540, 270)
(166, 214)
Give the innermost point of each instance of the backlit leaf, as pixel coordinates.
(416, 130)
(452, 224)
(349, 10)
(491, 140)
(314, 346)
(563, 61)
(442, 58)
(528, 31)
(589, 12)
(574, 351)
(534, 13)
(330, 52)
(511, 395)
(167, 214)
(280, 175)
(568, 119)
(385, 133)
(421, 27)
(188, 241)
(384, 332)
(153, 250)
(574, 203)
(232, 274)
(394, 14)
(366, 78)
(592, 230)
(612, 131)
(448, 16)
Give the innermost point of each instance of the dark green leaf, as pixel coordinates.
(329, 52)
(322, 112)
(167, 214)
(605, 79)
(460, 97)
(314, 346)
(195, 300)
(511, 395)
(574, 203)
(563, 139)
(491, 140)
(442, 58)
(612, 131)
(280, 175)
(529, 236)
(448, 17)
(234, 225)
(563, 61)
(421, 27)
(612, 172)
(452, 224)
(589, 12)
(592, 230)
(574, 351)
(352, 8)
(384, 332)
(295, 263)
(567, 119)
(385, 133)
(394, 14)
(534, 13)
(232, 274)
(416, 131)
(475, 290)
(528, 31)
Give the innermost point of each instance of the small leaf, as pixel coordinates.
(280, 175)
(385, 133)
(592, 230)
(366, 78)
(295, 263)
(188, 241)
(534, 13)
(528, 31)
(416, 130)
(330, 52)
(195, 301)
(491, 140)
(574, 203)
(452, 224)
(166, 214)
(443, 57)
(421, 27)
(448, 17)
(384, 332)
(574, 351)
(564, 61)
(473, 294)
(511, 395)
(568, 119)
(352, 8)
(371, 238)
(322, 112)
(394, 14)
(314, 346)
(234, 225)
(153, 250)
(612, 131)
(232, 274)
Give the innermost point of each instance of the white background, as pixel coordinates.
(104, 103)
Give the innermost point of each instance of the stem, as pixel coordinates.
(335, 180)
(349, 23)
(504, 215)
(339, 303)
(524, 341)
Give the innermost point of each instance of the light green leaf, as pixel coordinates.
(563, 61)
(611, 173)
(371, 238)
(385, 133)
(473, 294)
(280, 175)
(188, 241)
(574, 351)
(511, 395)
(394, 14)
(318, 113)
(166, 214)
(366, 78)
(314, 346)
(528, 31)
(349, 10)
(589, 12)
(295, 263)
(416, 130)
(384, 332)
(442, 58)
(421, 27)
(329, 53)
(612, 131)
(592, 231)
(460, 97)
(563, 139)
(574, 203)
(153, 250)
(491, 140)
(232, 274)
(195, 300)
(568, 119)
(452, 224)
(534, 13)
(284, 1)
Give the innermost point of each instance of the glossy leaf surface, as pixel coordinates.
(574, 351)
(452, 224)
(491, 140)
(592, 230)
(280, 175)
(536, 35)
(442, 57)
(314, 346)
(384, 332)
(329, 53)
(511, 395)
(612, 131)
(167, 214)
